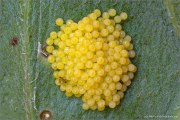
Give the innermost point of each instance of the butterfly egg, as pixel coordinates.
(112, 12)
(53, 35)
(97, 12)
(49, 41)
(59, 22)
(123, 16)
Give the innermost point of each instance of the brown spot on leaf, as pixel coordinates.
(46, 115)
(14, 41)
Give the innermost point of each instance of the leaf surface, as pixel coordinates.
(27, 85)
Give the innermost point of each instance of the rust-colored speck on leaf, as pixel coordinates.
(14, 41)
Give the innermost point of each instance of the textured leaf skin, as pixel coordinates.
(154, 27)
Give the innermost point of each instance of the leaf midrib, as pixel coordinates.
(25, 58)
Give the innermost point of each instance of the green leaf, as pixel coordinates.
(27, 85)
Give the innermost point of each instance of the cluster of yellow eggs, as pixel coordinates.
(91, 58)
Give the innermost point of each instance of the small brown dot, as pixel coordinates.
(45, 115)
(14, 41)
